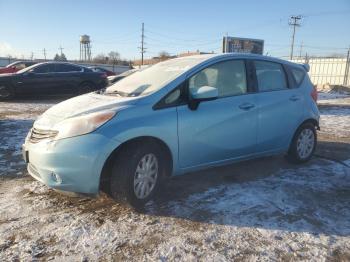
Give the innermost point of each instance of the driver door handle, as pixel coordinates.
(246, 106)
(294, 98)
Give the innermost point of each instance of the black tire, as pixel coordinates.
(294, 154)
(124, 173)
(86, 87)
(6, 92)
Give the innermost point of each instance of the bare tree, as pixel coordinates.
(113, 57)
(57, 57)
(163, 55)
(100, 59)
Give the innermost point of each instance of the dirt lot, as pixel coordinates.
(263, 209)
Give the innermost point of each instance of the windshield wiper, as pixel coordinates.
(116, 92)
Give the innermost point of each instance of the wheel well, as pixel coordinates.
(107, 168)
(312, 121)
(87, 82)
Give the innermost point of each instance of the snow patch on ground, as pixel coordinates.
(295, 213)
(335, 121)
(330, 98)
(290, 211)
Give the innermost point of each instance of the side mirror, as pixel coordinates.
(204, 93)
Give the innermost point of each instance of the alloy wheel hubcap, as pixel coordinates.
(145, 177)
(305, 143)
(4, 92)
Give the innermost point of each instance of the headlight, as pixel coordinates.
(81, 125)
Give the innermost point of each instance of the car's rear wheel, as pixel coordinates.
(6, 92)
(303, 144)
(86, 87)
(137, 174)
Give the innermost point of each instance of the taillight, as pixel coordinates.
(104, 75)
(314, 94)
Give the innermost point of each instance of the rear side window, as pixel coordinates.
(270, 76)
(67, 68)
(298, 75)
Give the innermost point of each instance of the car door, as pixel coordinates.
(220, 129)
(68, 77)
(39, 80)
(280, 107)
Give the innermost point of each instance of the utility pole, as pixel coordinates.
(347, 66)
(44, 52)
(301, 49)
(143, 49)
(61, 48)
(294, 21)
(31, 56)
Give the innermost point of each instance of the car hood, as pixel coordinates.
(81, 105)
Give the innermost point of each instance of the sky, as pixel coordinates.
(29, 26)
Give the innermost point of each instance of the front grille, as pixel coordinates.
(38, 135)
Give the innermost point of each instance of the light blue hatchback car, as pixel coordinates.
(174, 117)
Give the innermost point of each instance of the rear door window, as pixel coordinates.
(270, 76)
(63, 68)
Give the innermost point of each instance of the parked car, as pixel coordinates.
(116, 78)
(51, 78)
(103, 70)
(177, 116)
(16, 66)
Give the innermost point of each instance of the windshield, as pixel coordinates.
(12, 64)
(153, 78)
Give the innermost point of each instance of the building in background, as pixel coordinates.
(242, 45)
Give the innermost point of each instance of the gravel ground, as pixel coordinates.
(264, 209)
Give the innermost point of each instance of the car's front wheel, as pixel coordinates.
(6, 92)
(304, 144)
(137, 174)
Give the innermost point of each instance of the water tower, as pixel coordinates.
(85, 48)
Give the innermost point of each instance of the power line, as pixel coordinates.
(61, 48)
(295, 22)
(301, 48)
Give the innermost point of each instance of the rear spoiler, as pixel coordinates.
(306, 67)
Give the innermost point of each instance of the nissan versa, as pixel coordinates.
(177, 116)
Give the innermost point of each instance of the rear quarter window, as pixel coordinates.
(298, 75)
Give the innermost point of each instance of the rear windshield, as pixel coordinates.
(153, 78)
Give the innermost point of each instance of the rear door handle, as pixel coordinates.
(294, 98)
(246, 106)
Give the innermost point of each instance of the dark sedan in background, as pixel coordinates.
(51, 78)
(114, 79)
(103, 70)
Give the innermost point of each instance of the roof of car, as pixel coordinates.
(207, 57)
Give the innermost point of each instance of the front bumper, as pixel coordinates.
(71, 164)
